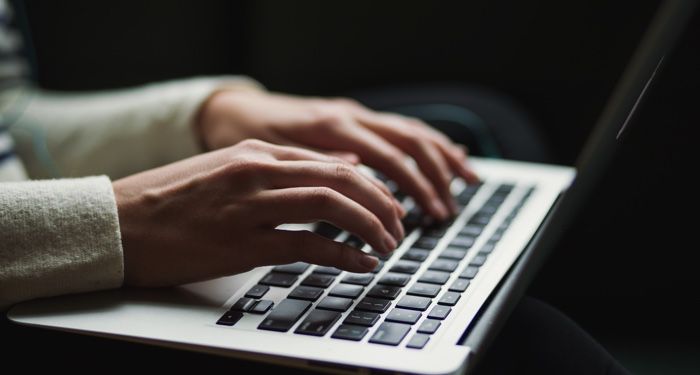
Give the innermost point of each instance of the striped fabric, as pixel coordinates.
(13, 73)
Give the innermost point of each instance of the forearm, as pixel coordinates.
(58, 237)
(118, 132)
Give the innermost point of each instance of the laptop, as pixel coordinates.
(432, 307)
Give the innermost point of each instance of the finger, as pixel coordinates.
(429, 158)
(455, 154)
(380, 185)
(311, 204)
(345, 179)
(294, 246)
(457, 158)
(350, 157)
(302, 153)
(382, 155)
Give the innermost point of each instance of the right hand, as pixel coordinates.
(216, 214)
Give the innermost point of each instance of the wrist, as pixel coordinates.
(214, 120)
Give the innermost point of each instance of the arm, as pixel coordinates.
(117, 132)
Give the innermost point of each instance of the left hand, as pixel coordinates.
(347, 129)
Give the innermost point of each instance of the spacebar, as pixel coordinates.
(284, 315)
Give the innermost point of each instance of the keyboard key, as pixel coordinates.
(447, 265)
(346, 291)
(435, 232)
(358, 278)
(459, 285)
(378, 267)
(350, 332)
(418, 341)
(284, 280)
(429, 326)
(471, 230)
(230, 318)
(487, 248)
(390, 333)
(261, 307)
(416, 255)
(335, 303)
(478, 260)
(427, 243)
(327, 230)
(318, 280)
(354, 241)
(469, 272)
(257, 291)
(243, 304)
(373, 304)
(403, 316)
(434, 277)
(449, 299)
(467, 194)
(505, 189)
(283, 317)
(439, 312)
(318, 323)
(414, 303)
(395, 279)
(462, 242)
(295, 268)
(308, 293)
(381, 256)
(384, 291)
(489, 209)
(453, 253)
(405, 266)
(327, 270)
(480, 219)
(362, 318)
(424, 290)
(413, 219)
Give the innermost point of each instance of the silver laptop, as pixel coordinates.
(432, 307)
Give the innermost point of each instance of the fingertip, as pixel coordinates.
(389, 242)
(400, 209)
(368, 262)
(439, 209)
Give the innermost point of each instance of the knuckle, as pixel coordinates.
(348, 102)
(327, 118)
(253, 144)
(345, 173)
(323, 197)
(248, 172)
(374, 223)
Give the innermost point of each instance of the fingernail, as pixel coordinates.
(368, 261)
(401, 233)
(402, 211)
(440, 208)
(389, 242)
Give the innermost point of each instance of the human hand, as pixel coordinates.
(215, 214)
(380, 140)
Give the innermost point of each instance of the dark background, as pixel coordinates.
(627, 271)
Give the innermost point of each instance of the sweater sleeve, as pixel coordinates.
(58, 237)
(116, 133)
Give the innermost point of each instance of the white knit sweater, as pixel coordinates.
(62, 235)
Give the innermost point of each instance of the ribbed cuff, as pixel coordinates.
(58, 237)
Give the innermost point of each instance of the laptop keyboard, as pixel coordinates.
(347, 305)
